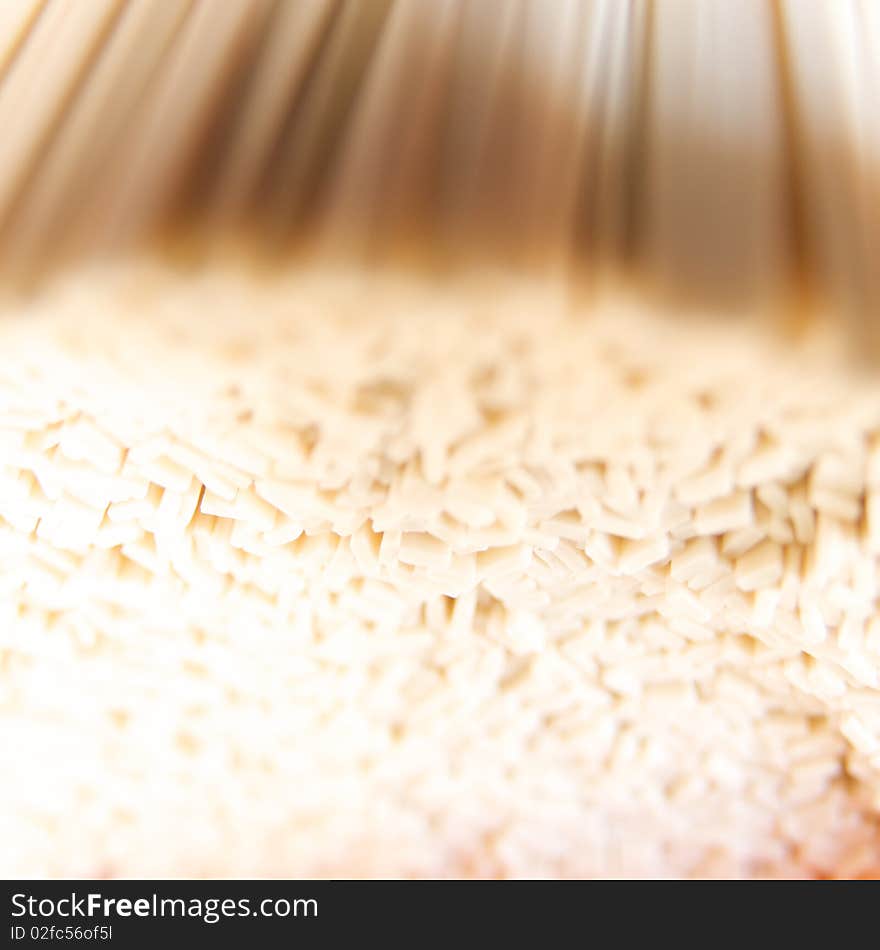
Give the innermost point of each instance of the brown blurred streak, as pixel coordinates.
(200, 173)
(9, 55)
(7, 221)
(300, 167)
(198, 194)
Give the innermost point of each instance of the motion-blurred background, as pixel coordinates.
(712, 149)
